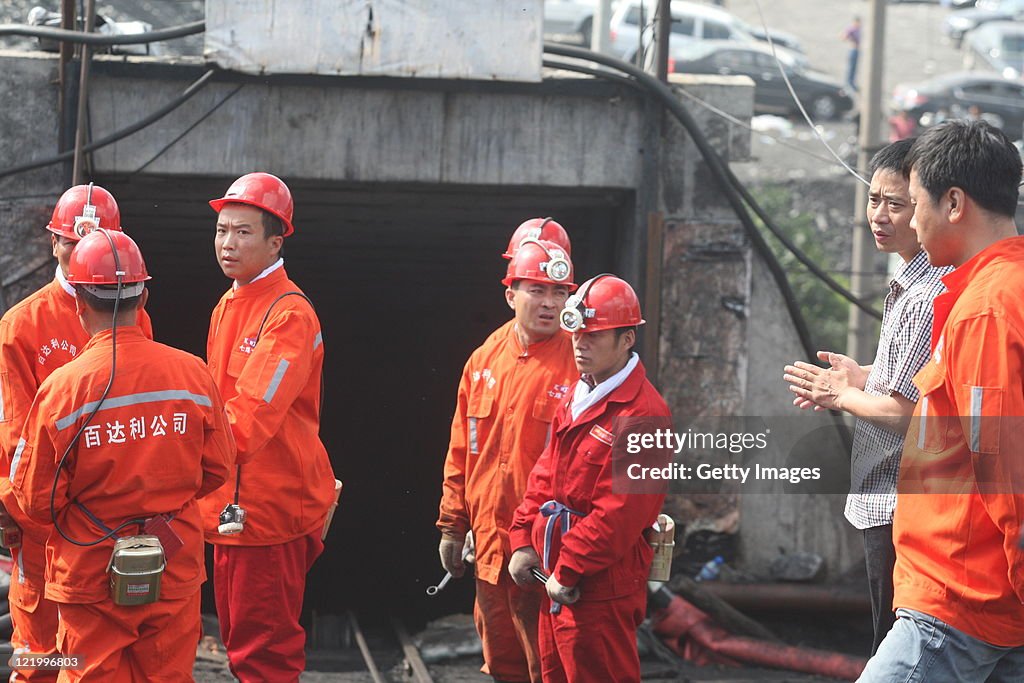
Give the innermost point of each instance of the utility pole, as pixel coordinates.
(600, 33)
(664, 24)
(864, 280)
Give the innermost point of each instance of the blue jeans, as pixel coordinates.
(851, 68)
(923, 649)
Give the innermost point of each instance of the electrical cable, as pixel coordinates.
(729, 185)
(188, 130)
(720, 169)
(187, 94)
(732, 119)
(81, 37)
(799, 104)
(259, 333)
(99, 404)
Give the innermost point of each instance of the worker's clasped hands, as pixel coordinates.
(559, 593)
(521, 566)
(822, 388)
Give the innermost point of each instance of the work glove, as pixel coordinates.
(519, 566)
(450, 550)
(559, 593)
(469, 551)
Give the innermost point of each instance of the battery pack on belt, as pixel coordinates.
(136, 567)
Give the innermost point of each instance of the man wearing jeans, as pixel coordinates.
(882, 396)
(959, 577)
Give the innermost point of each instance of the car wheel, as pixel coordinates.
(824, 108)
(587, 31)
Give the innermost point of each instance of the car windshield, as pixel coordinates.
(1013, 44)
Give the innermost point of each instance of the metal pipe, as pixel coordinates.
(67, 23)
(790, 597)
(86, 38)
(83, 95)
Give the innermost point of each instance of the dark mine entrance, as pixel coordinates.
(406, 284)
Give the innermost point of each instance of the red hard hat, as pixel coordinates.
(602, 303)
(264, 191)
(540, 261)
(93, 261)
(82, 209)
(539, 229)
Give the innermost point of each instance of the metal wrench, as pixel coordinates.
(467, 550)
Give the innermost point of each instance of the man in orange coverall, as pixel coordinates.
(598, 562)
(135, 457)
(959, 575)
(266, 353)
(509, 390)
(37, 336)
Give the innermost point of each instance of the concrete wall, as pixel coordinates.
(28, 131)
(725, 337)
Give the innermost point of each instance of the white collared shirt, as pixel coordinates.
(584, 397)
(64, 282)
(268, 271)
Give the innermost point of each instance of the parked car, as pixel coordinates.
(999, 46)
(997, 99)
(823, 96)
(961, 21)
(691, 22)
(570, 17)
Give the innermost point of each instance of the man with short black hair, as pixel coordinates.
(265, 350)
(133, 458)
(39, 334)
(959, 575)
(574, 524)
(882, 395)
(510, 388)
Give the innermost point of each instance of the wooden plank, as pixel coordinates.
(412, 655)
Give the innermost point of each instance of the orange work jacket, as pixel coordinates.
(39, 334)
(159, 441)
(960, 497)
(507, 397)
(271, 390)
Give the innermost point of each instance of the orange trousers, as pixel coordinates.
(35, 629)
(592, 641)
(506, 619)
(135, 643)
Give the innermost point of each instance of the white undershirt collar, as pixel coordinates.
(584, 397)
(279, 263)
(64, 282)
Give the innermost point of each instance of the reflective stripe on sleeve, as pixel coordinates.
(318, 340)
(924, 423)
(17, 457)
(275, 381)
(977, 393)
(472, 437)
(136, 399)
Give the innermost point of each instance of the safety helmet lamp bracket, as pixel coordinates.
(557, 267)
(576, 312)
(86, 222)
